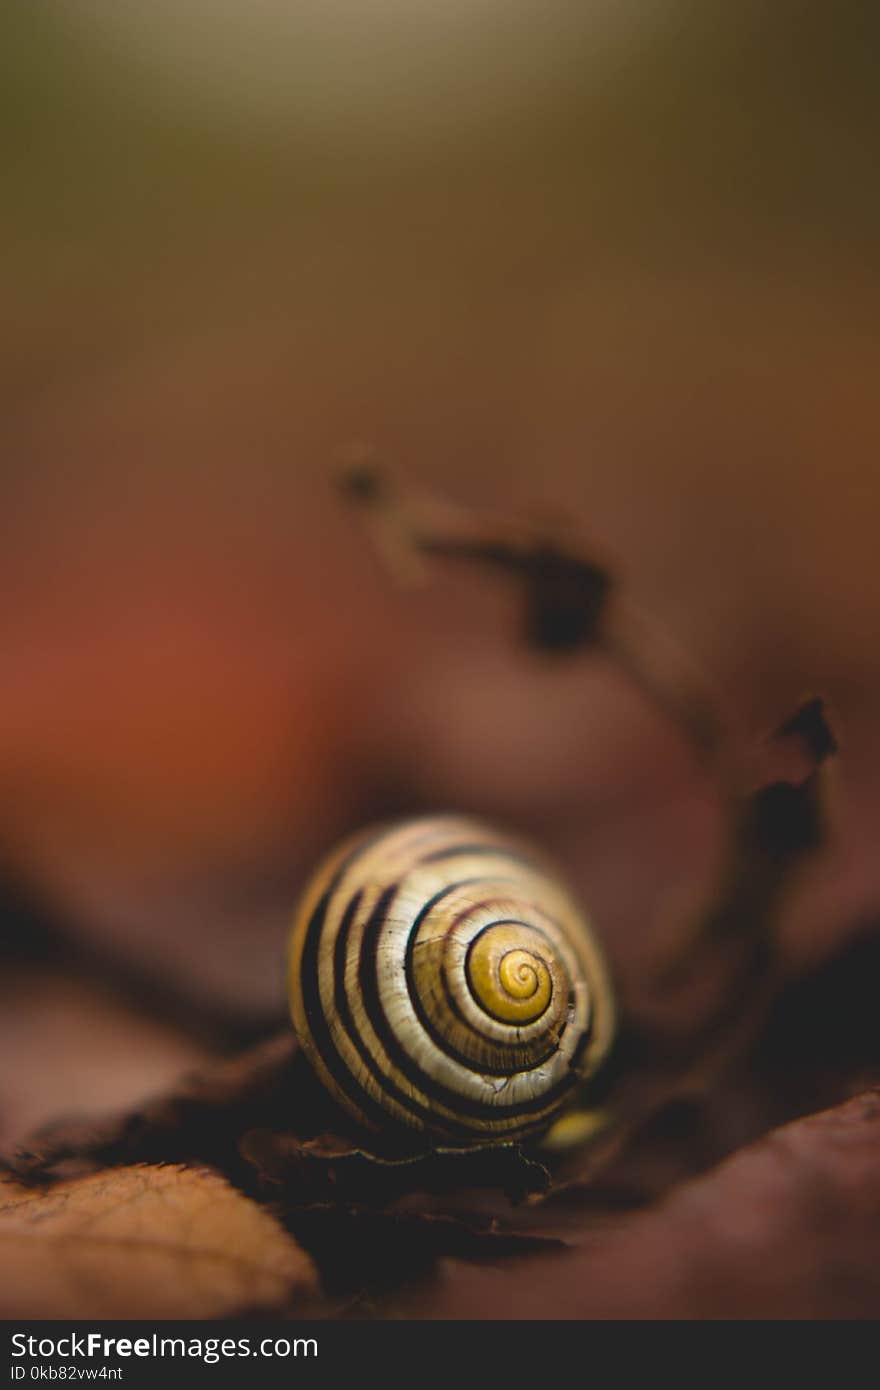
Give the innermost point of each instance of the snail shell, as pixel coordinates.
(442, 979)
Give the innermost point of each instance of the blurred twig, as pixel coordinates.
(573, 604)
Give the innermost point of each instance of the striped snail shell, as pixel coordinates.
(442, 979)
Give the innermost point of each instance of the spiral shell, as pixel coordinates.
(442, 979)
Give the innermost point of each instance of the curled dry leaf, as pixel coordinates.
(788, 1228)
(71, 1045)
(199, 1119)
(263, 1120)
(144, 1242)
(315, 1170)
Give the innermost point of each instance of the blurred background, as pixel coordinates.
(610, 263)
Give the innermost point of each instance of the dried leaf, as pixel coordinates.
(201, 1118)
(789, 1228)
(71, 1045)
(314, 1170)
(147, 1243)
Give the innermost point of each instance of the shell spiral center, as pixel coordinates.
(510, 972)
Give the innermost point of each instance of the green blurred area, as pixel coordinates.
(651, 122)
